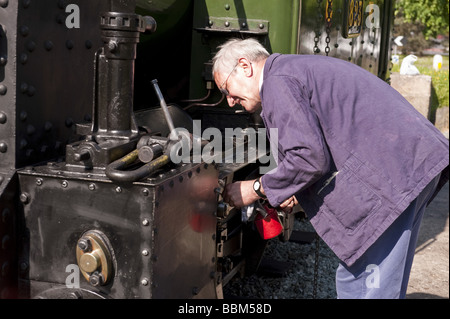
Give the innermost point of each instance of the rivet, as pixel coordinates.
(39, 181)
(118, 189)
(61, 4)
(5, 269)
(29, 152)
(31, 45)
(145, 192)
(23, 143)
(3, 118)
(261, 26)
(88, 44)
(227, 24)
(6, 215)
(3, 147)
(5, 242)
(48, 45)
(3, 60)
(60, 18)
(91, 186)
(3, 89)
(24, 87)
(69, 44)
(23, 266)
(145, 222)
(23, 58)
(24, 30)
(69, 122)
(3, 3)
(227, 7)
(144, 282)
(64, 184)
(48, 126)
(26, 3)
(31, 90)
(30, 130)
(145, 252)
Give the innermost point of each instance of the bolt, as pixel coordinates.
(118, 189)
(25, 198)
(144, 282)
(96, 279)
(113, 46)
(91, 186)
(145, 222)
(84, 244)
(64, 184)
(145, 252)
(39, 181)
(76, 295)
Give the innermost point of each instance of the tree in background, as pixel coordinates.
(432, 14)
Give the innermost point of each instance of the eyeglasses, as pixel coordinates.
(225, 91)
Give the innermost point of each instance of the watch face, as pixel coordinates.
(256, 185)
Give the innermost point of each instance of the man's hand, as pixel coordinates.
(289, 204)
(240, 194)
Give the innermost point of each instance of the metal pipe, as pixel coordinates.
(116, 173)
(173, 135)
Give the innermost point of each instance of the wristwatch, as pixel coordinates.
(257, 188)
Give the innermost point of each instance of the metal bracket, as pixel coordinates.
(245, 26)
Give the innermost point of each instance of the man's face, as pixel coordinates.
(241, 86)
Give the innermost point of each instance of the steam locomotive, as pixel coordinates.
(92, 204)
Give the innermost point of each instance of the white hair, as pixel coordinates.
(231, 51)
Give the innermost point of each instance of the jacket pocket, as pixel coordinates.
(346, 197)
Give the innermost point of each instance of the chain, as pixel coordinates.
(329, 18)
(316, 267)
(319, 21)
(317, 31)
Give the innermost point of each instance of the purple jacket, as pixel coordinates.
(351, 148)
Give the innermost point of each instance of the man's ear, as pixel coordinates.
(247, 66)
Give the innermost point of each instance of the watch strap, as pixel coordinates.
(258, 189)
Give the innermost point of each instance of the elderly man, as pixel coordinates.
(362, 162)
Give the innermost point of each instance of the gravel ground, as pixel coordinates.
(298, 280)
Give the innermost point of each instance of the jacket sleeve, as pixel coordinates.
(303, 156)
